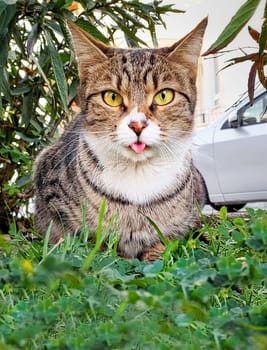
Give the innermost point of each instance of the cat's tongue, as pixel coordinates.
(138, 147)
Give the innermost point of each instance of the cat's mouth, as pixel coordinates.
(138, 147)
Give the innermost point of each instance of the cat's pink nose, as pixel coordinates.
(138, 127)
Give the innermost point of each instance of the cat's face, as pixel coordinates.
(138, 103)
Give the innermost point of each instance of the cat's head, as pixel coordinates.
(138, 103)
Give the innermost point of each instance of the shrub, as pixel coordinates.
(38, 77)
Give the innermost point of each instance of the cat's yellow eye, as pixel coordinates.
(112, 98)
(163, 97)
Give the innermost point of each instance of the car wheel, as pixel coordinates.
(231, 208)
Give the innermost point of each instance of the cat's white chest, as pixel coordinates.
(142, 183)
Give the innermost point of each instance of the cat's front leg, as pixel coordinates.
(153, 253)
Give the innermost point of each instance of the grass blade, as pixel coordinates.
(46, 240)
(99, 237)
(159, 233)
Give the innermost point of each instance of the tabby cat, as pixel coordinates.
(131, 143)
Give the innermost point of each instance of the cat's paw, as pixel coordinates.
(153, 253)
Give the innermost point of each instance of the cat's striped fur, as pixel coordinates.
(94, 157)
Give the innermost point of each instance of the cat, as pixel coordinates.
(131, 143)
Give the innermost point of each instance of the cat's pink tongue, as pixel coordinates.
(138, 147)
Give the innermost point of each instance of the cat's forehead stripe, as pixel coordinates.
(138, 67)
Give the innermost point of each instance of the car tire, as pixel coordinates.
(231, 208)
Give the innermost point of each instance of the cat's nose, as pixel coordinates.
(138, 127)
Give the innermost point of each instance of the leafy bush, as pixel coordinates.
(38, 77)
(258, 58)
(200, 296)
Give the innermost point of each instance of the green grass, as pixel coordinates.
(200, 296)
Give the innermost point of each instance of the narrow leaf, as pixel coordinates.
(249, 57)
(237, 22)
(7, 15)
(58, 71)
(27, 108)
(19, 90)
(32, 38)
(91, 29)
(4, 84)
(42, 73)
(260, 69)
(152, 30)
(126, 15)
(251, 82)
(130, 34)
(263, 37)
(254, 34)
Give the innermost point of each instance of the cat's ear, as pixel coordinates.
(187, 50)
(88, 50)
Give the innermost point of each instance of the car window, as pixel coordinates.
(248, 115)
(257, 113)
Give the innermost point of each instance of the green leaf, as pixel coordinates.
(228, 266)
(32, 38)
(59, 72)
(4, 84)
(125, 29)
(223, 213)
(153, 268)
(20, 90)
(152, 30)
(7, 14)
(42, 73)
(263, 36)
(27, 138)
(126, 15)
(237, 22)
(16, 32)
(91, 29)
(27, 108)
(24, 180)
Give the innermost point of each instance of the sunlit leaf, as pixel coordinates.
(237, 22)
(91, 29)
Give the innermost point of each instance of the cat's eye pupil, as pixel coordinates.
(112, 98)
(163, 97)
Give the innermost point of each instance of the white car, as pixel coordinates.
(231, 155)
